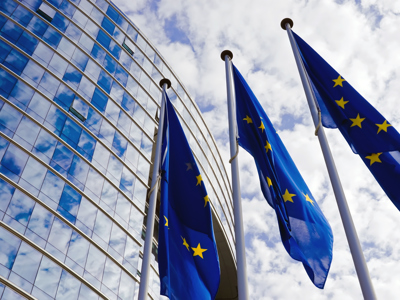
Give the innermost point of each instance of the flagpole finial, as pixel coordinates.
(286, 21)
(165, 81)
(225, 53)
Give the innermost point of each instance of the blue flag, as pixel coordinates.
(367, 132)
(187, 252)
(306, 234)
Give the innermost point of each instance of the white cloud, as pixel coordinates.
(359, 41)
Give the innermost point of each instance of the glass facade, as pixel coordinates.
(79, 97)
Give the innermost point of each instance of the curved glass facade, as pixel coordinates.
(79, 98)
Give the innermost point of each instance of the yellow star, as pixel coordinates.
(199, 180)
(357, 121)
(269, 181)
(384, 126)
(166, 221)
(262, 126)
(206, 199)
(374, 157)
(189, 166)
(185, 243)
(268, 147)
(308, 199)
(198, 251)
(288, 196)
(341, 102)
(338, 81)
(248, 119)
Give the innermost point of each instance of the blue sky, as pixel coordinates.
(359, 39)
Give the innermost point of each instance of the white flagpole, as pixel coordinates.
(351, 234)
(148, 243)
(237, 204)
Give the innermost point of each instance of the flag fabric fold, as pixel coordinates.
(187, 252)
(367, 132)
(305, 232)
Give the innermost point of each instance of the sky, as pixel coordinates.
(360, 40)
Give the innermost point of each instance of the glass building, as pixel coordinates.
(79, 99)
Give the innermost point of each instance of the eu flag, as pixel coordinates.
(306, 234)
(367, 132)
(187, 252)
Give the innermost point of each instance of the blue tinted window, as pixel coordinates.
(16, 61)
(102, 4)
(49, 85)
(107, 133)
(69, 286)
(124, 122)
(93, 121)
(9, 245)
(105, 81)
(64, 96)
(128, 103)
(71, 132)
(60, 235)
(79, 170)
(115, 49)
(62, 157)
(56, 3)
(37, 26)
(117, 92)
(52, 186)
(10, 117)
(115, 167)
(48, 277)
(33, 73)
(52, 37)
(27, 262)
(3, 20)
(119, 144)
(55, 118)
(70, 200)
(98, 53)
(73, 32)
(22, 15)
(108, 26)
(28, 131)
(112, 13)
(8, 6)
(58, 65)
(14, 160)
(46, 144)
(67, 8)
(80, 109)
(60, 22)
(86, 145)
(43, 53)
(38, 107)
(41, 221)
(80, 59)
(21, 207)
(103, 39)
(121, 75)
(27, 43)
(99, 100)
(7, 82)
(122, 22)
(6, 192)
(21, 94)
(72, 76)
(34, 173)
(110, 64)
(4, 50)
(125, 60)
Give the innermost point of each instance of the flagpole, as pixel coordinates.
(351, 234)
(148, 242)
(243, 293)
